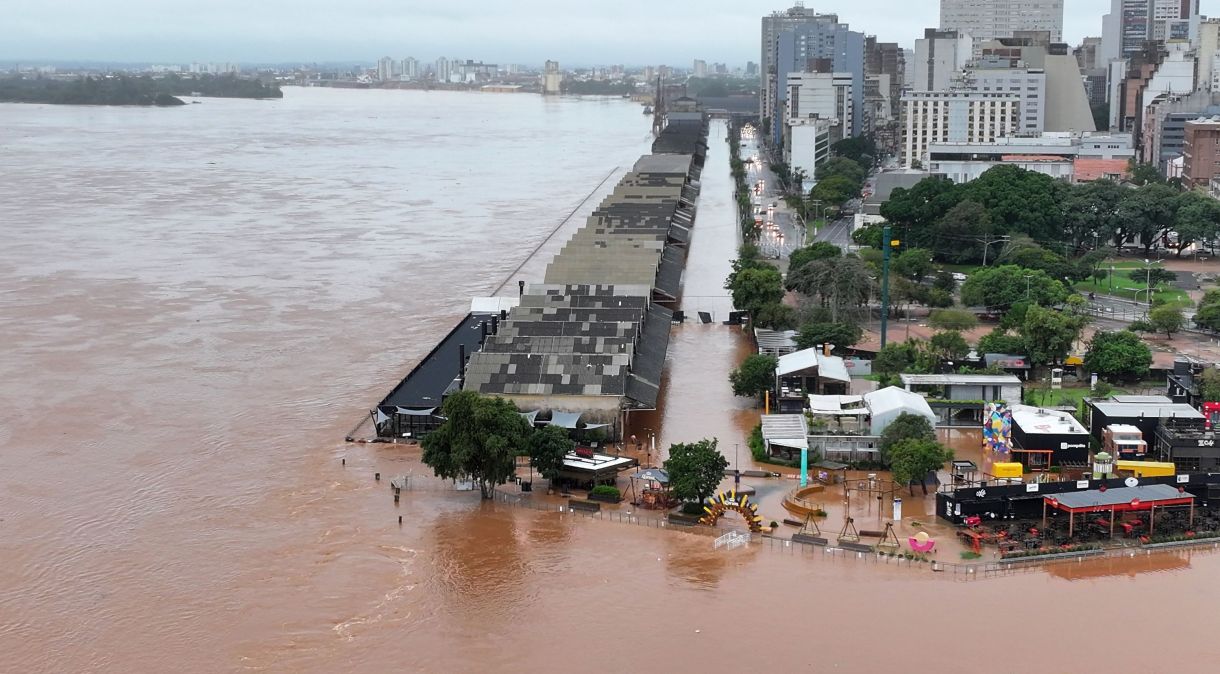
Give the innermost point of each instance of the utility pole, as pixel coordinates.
(886, 244)
(986, 241)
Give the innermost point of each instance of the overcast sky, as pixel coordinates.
(632, 32)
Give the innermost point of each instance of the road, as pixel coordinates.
(837, 232)
(782, 232)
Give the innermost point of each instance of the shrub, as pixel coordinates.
(606, 490)
(692, 508)
(774, 524)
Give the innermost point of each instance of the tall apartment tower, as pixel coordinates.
(991, 19)
(1132, 22)
(773, 26)
(552, 79)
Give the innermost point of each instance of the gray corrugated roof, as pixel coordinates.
(1119, 495)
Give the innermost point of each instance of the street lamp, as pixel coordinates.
(1027, 278)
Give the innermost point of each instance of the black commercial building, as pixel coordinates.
(1188, 445)
(1044, 438)
(1144, 412)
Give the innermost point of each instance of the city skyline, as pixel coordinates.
(632, 32)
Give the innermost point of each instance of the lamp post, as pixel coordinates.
(1027, 278)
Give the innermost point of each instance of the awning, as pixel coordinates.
(529, 416)
(564, 419)
(825, 402)
(654, 474)
(416, 413)
(1120, 498)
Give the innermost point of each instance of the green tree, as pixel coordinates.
(952, 319)
(1166, 319)
(1020, 201)
(842, 335)
(892, 359)
(1197, 219)
(1118, 355)
(1149, 211)
(479, 439)
(912, 459)
(858, 148)
(834, 190)
(944, 281)
(755, 376)
(775, 316)
(914, 263)
(905, 426)
(755, 288)
(843, 167)
(949, 345)
(1209, 385)
(1154, 276)
(818, 250)
(1049, 334)
(1002, 287)
(841, 283)
(1000, 340)
(1090, 208)
(869, 235)
(1208, 313)
(1144, 174)
(695, 469)
(957, 237)
(547, 448)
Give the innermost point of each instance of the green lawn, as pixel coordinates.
(1130, 289)
(1040, 397)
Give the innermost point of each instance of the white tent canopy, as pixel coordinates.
(564, 419)
(828, 367)
(823, 404)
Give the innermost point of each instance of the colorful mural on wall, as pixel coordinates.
(997, 427)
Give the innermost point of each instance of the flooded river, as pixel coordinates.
(196, 304)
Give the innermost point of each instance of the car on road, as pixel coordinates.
(958, 276)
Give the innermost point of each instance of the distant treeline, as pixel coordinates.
(127, 90)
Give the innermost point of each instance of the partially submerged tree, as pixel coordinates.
(547, 447)
(1118, 355)
(913, 458)
(479, 439)
(952, 319)
(905, 427)
(695, 469)
(755, 376)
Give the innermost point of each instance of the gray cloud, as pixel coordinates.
(517, 31)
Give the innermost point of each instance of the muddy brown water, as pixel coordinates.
(196, 304)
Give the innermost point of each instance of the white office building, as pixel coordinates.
(939, 57)
(989, 19)
(954, 117)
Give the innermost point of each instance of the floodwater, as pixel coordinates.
(196, 304)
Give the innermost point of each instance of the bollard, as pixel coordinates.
(344, 461)
(377, 476)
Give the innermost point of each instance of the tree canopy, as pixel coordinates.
(1166, 319)
(913, 458)
(949, 345)
(952, 319)
(547, 447)
(479, 439)
(1048, 334)
(756, 287)
(1002, 287)
(754, 376)
(695, 469)
(1118, 355)
(818, 250)
(904, 427)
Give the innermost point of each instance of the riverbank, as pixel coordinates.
(128, 90)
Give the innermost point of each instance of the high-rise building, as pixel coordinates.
(821, 95)
(1201, 152)
(699, 69)
(552, 79)
(954, 117)
(1132, 22)
(939, 56)
(885, 59)
(410, 68)
(990, 19)
(819, 47)
(751, 69)
(442, 69)
(1206, 43)
(773, 25)
(385, 68)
